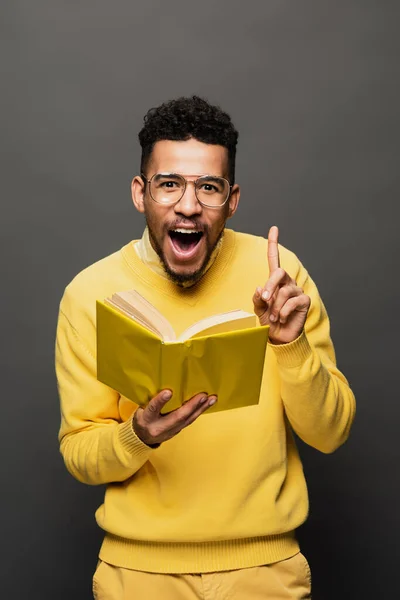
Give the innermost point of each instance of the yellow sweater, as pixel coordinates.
(228, 492)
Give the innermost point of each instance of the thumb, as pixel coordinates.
(156, 404)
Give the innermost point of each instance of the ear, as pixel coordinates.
(138, 191)
(233, 200)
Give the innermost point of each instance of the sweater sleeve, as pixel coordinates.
(318, 401)
(97, 445)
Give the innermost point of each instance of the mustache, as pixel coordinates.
(193, 223)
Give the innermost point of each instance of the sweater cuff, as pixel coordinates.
(293, 354)
(130, 441)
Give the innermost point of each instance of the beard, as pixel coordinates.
(183, 279)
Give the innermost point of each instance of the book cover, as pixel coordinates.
(138, 364)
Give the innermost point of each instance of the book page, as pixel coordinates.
(128, 313)
(133, 305)
(222, 323)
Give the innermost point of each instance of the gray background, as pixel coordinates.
(314, 89)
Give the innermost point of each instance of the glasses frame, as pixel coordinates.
(143, 176)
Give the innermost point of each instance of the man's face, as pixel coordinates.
(185, 255)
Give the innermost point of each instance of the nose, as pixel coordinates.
(188, 205)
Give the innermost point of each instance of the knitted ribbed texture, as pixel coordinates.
(203, 557)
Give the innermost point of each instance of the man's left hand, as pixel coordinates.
(281, 304)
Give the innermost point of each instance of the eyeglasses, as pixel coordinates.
(169, 188)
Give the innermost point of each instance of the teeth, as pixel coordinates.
(186, 231)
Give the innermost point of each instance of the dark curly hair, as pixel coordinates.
(186, 118)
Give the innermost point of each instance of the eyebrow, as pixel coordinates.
(212, 177)
(166, 173)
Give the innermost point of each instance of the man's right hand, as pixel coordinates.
(153, 428)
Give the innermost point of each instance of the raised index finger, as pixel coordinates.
(273, 250)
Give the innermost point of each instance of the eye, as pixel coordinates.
(168, 184)
(209, 188)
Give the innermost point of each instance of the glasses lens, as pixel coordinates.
(167, 188)
(212, 191)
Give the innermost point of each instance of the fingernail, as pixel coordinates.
(212, 400)
(167, 395)
(265, 295)
(203, 399)
(272, 318)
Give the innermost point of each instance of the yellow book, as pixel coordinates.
(138, 354)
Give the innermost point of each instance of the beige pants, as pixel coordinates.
(284, 580)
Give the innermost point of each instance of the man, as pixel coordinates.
(210, 510)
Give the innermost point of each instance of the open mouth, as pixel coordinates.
(185, 242)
